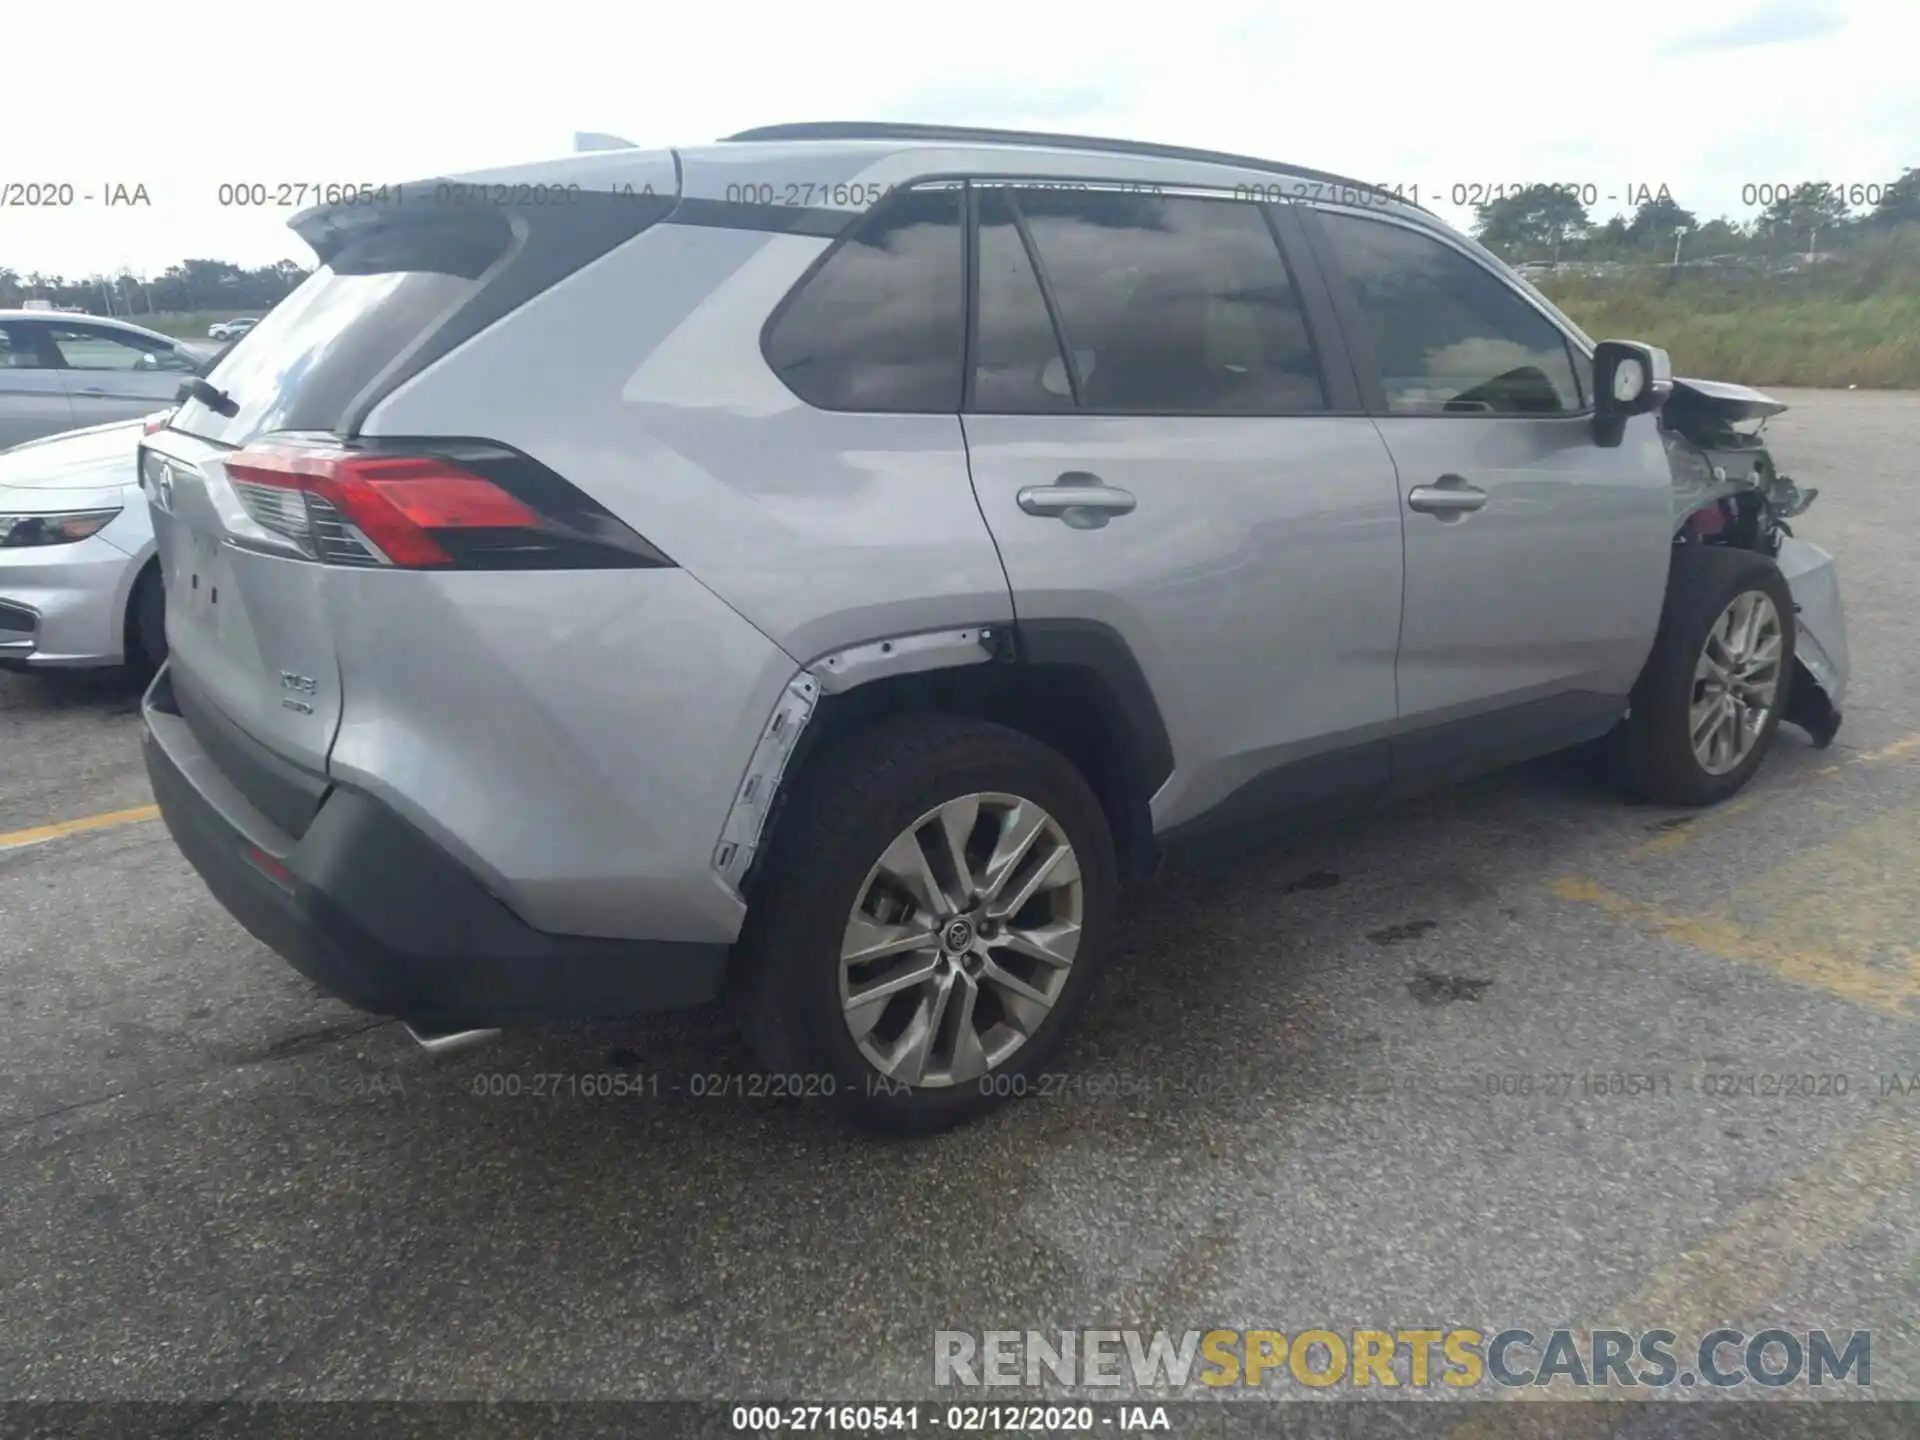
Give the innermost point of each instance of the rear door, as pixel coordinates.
(33, 396)
(1158, 355)
(114, 375)
(1536, 559)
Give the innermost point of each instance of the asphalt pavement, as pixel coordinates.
(1321, 1088)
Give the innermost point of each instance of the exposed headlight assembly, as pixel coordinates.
(60, 529)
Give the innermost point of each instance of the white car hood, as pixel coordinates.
(57, 467)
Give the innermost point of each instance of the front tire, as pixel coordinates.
(146, 642)
(1708, 701)
(936, 903)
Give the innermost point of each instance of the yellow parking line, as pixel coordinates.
(1904, 746)
(13, 839)
(1838, 916)
(1889, 991)
(1707, 820)
(1673, 839)
(1734, 1275)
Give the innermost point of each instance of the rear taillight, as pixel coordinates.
(427, 505)
(156, 423)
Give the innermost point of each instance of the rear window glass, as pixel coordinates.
(394, 289)
(303, 365)
(881, 325)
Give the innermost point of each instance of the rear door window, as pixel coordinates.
(87, 348)
(1018, 367)
(18, 349)
(881, 324)
(1171, 305)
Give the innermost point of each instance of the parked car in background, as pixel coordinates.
(231, 329)
(79, 584)
(64, 372)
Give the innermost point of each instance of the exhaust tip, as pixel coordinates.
(449, 1042)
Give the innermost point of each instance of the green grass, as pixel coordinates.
(1846, 325)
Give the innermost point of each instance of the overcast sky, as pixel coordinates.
(1706, 97)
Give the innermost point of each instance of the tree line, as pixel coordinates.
(189, 285)
(1549, 222)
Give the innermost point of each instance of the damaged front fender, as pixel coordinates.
(1820, 639)
(1727, 491)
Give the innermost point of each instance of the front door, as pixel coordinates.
(112, 375)
(1536, 559)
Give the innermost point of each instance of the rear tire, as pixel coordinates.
(1697, 731)
(878, 804)
(147, 622)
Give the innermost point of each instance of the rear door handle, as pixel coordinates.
(1451, 496)
(1083, 501)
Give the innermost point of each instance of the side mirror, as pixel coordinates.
(1629, 378)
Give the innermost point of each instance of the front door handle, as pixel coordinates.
(1451, 496)
(1083, 501)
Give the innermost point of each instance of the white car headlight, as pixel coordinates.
(61, 529)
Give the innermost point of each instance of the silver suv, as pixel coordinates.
(820, 569)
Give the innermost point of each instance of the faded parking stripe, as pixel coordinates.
(39, 834)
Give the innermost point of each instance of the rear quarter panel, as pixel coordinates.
(640, 379)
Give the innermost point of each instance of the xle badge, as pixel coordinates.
(303, 684)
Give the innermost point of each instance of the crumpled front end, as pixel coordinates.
(1727, 491)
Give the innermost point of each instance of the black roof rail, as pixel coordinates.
(966, 134)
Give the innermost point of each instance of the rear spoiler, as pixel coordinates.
(589, 140)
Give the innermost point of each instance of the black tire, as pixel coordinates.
(1651, 751)
(846, 808)
(146, 644)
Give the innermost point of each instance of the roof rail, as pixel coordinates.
(967, 134)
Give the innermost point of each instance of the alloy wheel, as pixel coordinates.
(961, 939)
(1735, 682)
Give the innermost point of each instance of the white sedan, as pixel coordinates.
(79, 581)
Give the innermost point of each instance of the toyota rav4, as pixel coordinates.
(819, 570)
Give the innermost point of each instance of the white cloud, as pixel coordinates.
(1416, 94)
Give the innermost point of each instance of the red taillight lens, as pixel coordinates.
(156, 423)
(397, 502)
(421, 504)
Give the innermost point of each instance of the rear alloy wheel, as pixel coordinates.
(935, 901)
(1709, 699)
(962, 940)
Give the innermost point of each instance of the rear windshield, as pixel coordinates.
(396, 289)
(303, 365)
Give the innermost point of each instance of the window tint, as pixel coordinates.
(17, 350)
(1173, 305)
(87, 349)
(1017, 364)
(1448, 335)
(881, 325)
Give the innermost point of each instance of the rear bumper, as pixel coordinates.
(372, 911)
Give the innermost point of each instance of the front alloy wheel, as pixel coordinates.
(1735, 682)
(1709, 698)
(961, 940)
